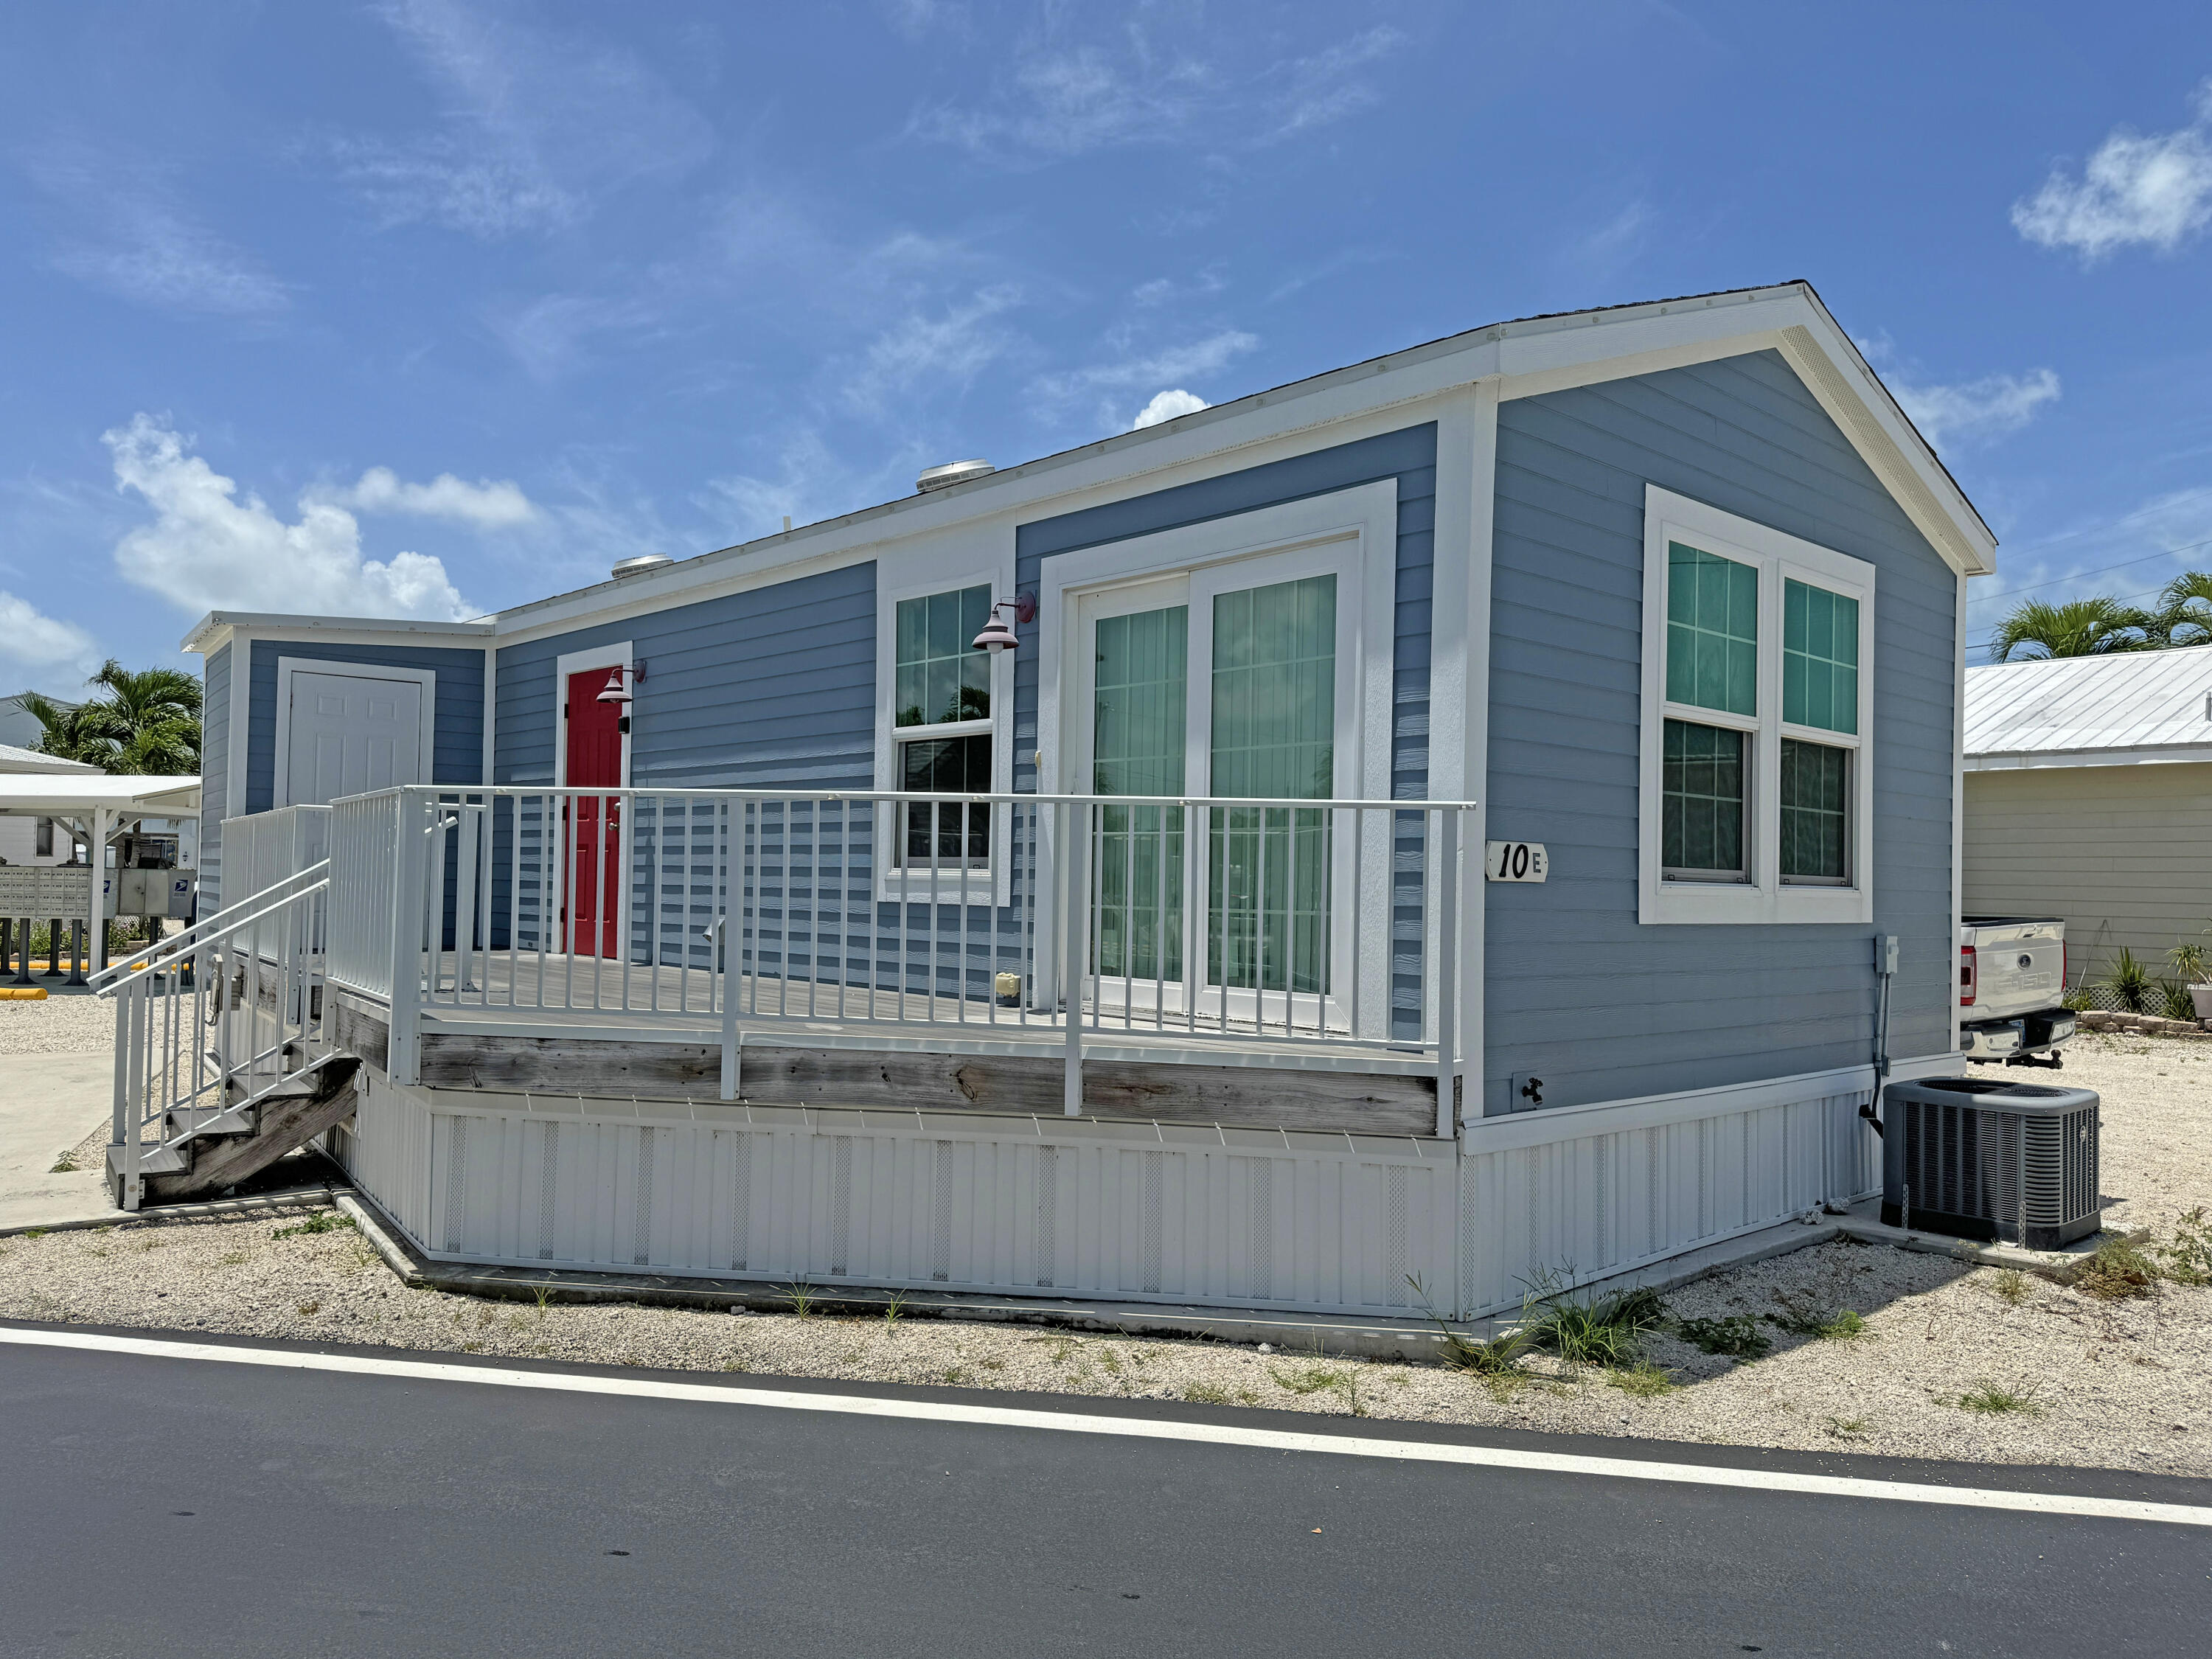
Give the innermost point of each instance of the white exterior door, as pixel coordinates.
(350, 734)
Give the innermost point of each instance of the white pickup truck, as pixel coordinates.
(2012, 978)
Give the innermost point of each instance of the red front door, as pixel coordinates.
(592, 883)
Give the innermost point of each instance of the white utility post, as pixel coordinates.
(96, 923)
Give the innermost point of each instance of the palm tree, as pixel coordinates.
(2079, 627)
(149, 722)
(2184, 611)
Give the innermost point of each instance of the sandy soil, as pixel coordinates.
(59, 1025)
(2125, 1384)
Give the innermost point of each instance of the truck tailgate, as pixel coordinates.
(2021, 966)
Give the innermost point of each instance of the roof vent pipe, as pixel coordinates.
(952, 472)
(640, 564)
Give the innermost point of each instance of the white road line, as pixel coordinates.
(1135, 1428)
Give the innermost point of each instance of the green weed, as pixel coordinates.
(1311, 1379)
(2009, 1286)
(1206, 1393)
(2188, 1259)
(2118, 1271)
(1846, 1428)
(802, 1296)
(1645, 1382)
(1607, 1331)
(1737, 1336)
(323, 1221)
(1991, 1399)
(892, 1309)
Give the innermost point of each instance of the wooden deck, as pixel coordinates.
(855, 1047)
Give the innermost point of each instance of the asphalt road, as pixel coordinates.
(159, 1506)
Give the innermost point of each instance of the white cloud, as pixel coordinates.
(953, 347)
(35, 642)
(2153, 192)
(1987, 408)
(1165, 407)
(1185, 363)
(486, 504)
(1133, 87)
(207, 550)
(534, 128)
(133, 238)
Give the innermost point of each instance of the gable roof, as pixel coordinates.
(2124, 709)
(1526, 357)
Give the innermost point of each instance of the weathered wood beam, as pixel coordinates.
(1254, 1097)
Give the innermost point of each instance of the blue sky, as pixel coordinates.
(434, 307)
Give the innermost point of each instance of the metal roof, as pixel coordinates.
(13, 759)
(2126, 708)
(45, 794)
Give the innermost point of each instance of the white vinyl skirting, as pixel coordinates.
(1322, 1223)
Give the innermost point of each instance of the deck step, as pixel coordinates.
(285, 1119)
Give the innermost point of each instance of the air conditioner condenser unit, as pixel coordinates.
(1992, 1159)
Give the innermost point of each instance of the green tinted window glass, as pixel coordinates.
(1701, 803)
(1275, 735)
(1138, 735)
(1820, 658)
(941, 676)
(1815, 812)
(1712, 631)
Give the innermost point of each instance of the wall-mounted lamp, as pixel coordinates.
(997, 635)
(619, 681)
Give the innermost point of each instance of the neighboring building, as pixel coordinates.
(35, 839)
(1672, 591)
(2088, 795)
(18, 726)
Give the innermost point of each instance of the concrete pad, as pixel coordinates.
(49, 1103)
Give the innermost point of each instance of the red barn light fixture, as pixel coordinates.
(997, 635)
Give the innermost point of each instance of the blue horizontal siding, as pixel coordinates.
(457, 745)
(770, 688)
(1576, 991)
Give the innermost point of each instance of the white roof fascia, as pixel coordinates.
(210, 631)
(2036, 760)
(29, 762)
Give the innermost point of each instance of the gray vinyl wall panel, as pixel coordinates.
(1575, 990)
(456, 747)
(2119, 852)
(770, 688)
(214, 775)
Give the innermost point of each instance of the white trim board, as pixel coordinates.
(577, 662)
(289, 667)
(1248, 1438)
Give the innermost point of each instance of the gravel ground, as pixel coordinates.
(2103, 1383)
(59, 1025)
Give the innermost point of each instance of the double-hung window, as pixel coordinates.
(1758, 694)
(941, 728)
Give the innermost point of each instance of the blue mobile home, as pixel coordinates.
(1435, 821)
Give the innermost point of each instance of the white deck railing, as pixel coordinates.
(210, 1021)
(1191, 923)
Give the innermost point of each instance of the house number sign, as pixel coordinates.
(1514, 860)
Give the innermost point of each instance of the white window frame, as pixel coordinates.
(1352, 533)
(1764, 897)
(280, 792)
(578, 662)
(922, 572)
